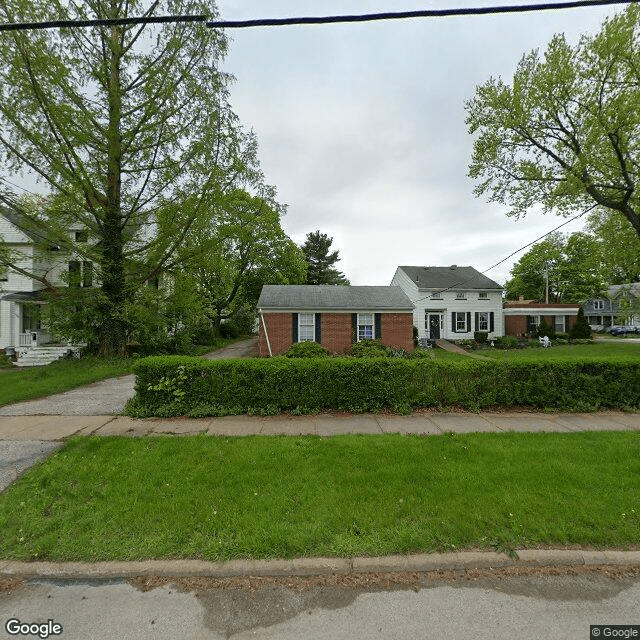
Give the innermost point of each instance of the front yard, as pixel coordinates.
(608, 349)
(220, 498)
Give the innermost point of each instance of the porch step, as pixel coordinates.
(40, 356)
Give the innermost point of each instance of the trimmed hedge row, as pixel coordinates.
(179, 385)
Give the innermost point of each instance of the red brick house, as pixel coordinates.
(334, 316)
(522, 317)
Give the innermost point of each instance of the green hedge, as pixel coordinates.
(179, 385)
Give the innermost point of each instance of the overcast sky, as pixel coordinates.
(362, 126)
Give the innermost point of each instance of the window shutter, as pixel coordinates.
(319, 328)
(468, 320)
(476, 319)
(354, 327)
(492, 325)
(454, 327)
(294, 327)
(377, 328)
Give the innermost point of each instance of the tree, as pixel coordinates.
(571, 265)
(245, 250)
(130, 129)
(320, 261)
(565, 133)
(581, 328)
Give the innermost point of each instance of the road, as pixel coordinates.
(541, 604)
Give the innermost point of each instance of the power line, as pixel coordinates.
(272, 22)
(403, 15)
(483, 272)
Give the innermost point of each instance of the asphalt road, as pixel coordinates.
(529, 607)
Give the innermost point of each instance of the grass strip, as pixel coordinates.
(36, 382)
(280, 497)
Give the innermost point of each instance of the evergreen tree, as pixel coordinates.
(320, 261)
(581, 328)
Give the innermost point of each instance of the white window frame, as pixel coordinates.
(559, 324)
(598, 305)
(461, 295)
(483, 295)
(303, 327)
(483, 321)
(536, 323)
(436, 295)
(461, 327)
(363, 323)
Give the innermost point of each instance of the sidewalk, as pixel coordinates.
(59, 427)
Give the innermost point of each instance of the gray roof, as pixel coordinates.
(452, 277)
(25, 225)
(319, 297)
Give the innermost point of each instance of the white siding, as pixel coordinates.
(449, 304)
(11, 234)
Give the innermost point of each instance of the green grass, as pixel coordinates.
(568, 352)
(36, 382)
(266, 497)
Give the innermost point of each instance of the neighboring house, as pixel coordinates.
(604, 311)
(334, 316)
(21, 299)
(452, 302)
(522, 317)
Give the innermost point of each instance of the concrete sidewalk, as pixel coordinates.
(59, 427)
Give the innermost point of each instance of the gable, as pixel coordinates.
(450, 278)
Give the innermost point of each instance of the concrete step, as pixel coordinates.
(41, 356)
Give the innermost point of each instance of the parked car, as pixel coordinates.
(623, 329)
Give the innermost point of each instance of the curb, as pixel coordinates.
(315, 566)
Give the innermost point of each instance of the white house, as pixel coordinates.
(21, 299)
(452, 302)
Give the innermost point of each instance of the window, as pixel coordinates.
(74, 273)
(598, 304)
(30, 318)
(87, 274)
(483, 295)
(532, 323)
(80, 274)
(436, 295)
(306, 327)
(461, 295)
(483, 321)
(365, 326)
(558, 324)
(4, 274)
(460, 320)
(82, 236)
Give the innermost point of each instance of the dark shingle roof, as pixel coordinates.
(27, 227)
(318, 297)
(453, 277)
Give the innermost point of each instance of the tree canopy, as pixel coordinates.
(130, 129)
(321, 260)
(565, 133)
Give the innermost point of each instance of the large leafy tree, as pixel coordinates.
(246, 249)
(567, 267)
(321, 260)
(129, 128)
(565, 133)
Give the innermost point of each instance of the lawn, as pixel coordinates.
(280, 497)
(568, 352)
(36, 382)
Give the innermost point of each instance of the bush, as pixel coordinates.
(545, 329)
(421, 353)
(368, 349)
(506, 342)
(229, 329)
(306, 349)
(415, 336)
(480, 336)
(581, 328)
(178, 385)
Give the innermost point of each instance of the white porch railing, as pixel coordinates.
(27, 339)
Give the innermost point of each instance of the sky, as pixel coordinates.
(362, 128)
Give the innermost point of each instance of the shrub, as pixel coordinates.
(506, 342)
(421, 353)
(415, 336)
(480, 336)
(545, 329)
(581, 328)
(306, 349)
(178, 385)
(229, 329)
(368, 349)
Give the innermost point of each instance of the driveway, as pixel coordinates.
(108, 397)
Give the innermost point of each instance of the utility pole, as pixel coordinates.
(546, 283)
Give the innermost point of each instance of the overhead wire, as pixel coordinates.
(311, 20)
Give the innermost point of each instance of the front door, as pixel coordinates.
(434, 325)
